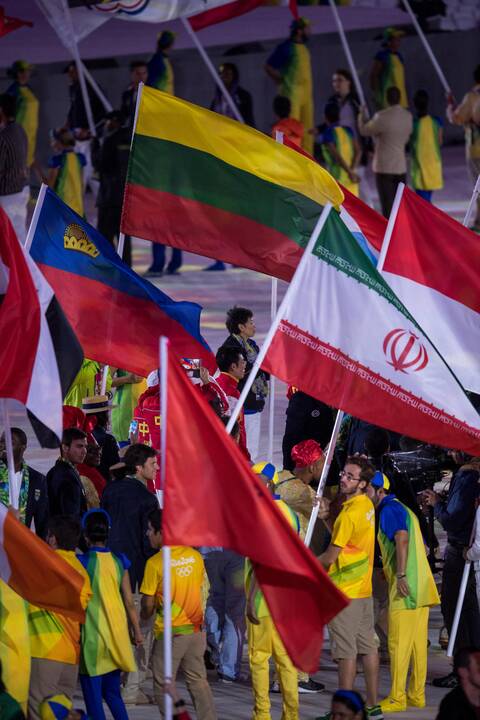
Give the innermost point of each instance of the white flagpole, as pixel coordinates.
(473, 200)
(280, 312)
(13, 490)
(346, 49)
(390, 225)
(458, 610)
(323, 478)
(35, 216)
(79, 66)
(103, 99)
(167, 591)
(427, 47)
(218, 80)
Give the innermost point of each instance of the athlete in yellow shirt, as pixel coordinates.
(188, 579)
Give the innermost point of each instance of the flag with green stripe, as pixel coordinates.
(346, 339)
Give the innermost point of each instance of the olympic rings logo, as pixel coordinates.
(184, 570)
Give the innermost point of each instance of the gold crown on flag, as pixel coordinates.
(75, 238)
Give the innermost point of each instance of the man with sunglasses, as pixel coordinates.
(349, 561)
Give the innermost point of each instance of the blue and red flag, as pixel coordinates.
(117, 315)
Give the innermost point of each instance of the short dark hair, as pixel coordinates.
(8, 104)
(66, 530)
(96, 527)
(102, 418)
(137, 63)
(377, 442)
(282, 106)
(154, 517)
(393, 95)
(367, 471)
(21, 435)
(71, 434)
(346, 74)
(461, 659)
(420, 101)
(332, 112)
(237, 316)
(476, 74)
(226, 357)
(352, 700)
(137, 454)
(233, 69)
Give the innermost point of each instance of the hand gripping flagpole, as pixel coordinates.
(216, 77)
(427, 47)
(473, 200)
(280, 312)
(323, 477)
(166, 555)
(13, 490)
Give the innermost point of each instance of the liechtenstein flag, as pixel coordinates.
(117, 315)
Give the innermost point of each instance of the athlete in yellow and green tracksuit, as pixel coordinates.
(27, 105)
(290, 66)
(388, 70)
(160, 71)
(340, 150)
(425, 143)
(412, 591)
(263, 639)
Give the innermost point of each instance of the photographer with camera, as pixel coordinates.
(456, 514)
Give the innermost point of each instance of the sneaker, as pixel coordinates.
(416, 703)
(374, 711)
(310, 686)
(447, 681)
(226, 679)
(275, 687)
(389, 705)
(216, 267)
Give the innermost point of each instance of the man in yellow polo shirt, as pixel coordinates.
(188, 577)
(349, 561)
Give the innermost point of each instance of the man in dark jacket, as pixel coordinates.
(66, 495)
(307, 419)
(463, 703)
(138, 74)
(241, 326)
(129, 503)
(33, 496)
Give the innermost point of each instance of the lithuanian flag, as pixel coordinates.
(204, 183)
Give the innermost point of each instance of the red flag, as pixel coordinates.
(371, 223)
(226, 505)
(222, 13)
(9, 24)
(432, 264)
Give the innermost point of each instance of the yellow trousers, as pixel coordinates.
(407, 646)
(264, 643)
(302, 109)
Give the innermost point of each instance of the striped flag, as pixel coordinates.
(207, 184)
(347, 340)
(39, 353)
(36, 573)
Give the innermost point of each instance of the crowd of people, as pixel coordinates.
(346, 140)
(99, 509)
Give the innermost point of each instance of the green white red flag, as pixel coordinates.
(346, 339)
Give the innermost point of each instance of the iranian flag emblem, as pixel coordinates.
(346, 339)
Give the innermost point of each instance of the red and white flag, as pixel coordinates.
(39, 352)
(346, 339)
(432, 263)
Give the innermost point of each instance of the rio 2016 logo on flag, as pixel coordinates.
(129, 7)
(404, 351)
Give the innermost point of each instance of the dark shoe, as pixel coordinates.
(173, 272)
(152, 273)
(225, 678)
(215, 267)
(448, 681)
(310, 686)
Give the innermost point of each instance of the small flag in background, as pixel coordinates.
(39, 353)
(36, 573)
(237, 512)
(347, 340)
(8, 24)
(432, 263)
(117, 315)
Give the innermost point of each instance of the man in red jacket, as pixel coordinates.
(232, 366)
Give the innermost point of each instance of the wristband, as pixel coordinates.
(400, 577)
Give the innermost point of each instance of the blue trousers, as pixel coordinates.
(225, 611)
(103, 687)
(425, 194)
(158, 259)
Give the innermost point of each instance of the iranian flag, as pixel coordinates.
(346, 339)
(432, 263)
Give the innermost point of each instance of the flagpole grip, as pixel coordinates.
(280, 312)
(323, 477)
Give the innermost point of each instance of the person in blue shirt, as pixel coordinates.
(456, 514)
